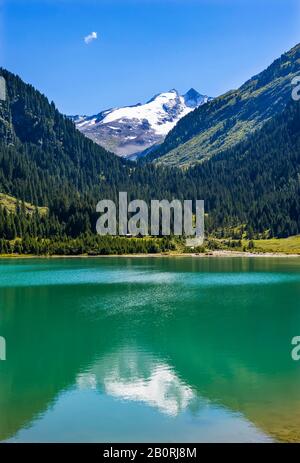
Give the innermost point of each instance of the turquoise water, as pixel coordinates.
(149, 349)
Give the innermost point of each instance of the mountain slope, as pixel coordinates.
(43, 156)
(256, 182)
(45, 161)
(130, 130)
(42, 153)
(230, 118)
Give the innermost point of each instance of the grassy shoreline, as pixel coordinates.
(213, 247)
(210, 254)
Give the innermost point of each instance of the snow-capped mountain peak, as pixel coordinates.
(130, 130)
(193, 99)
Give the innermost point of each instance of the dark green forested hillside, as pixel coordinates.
(257, 182)
(45, 159)
(46, 162)
(228, 119)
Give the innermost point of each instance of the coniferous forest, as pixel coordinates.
(253, 186)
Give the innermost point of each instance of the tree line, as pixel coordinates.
(44, 160)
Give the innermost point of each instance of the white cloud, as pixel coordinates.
(89, 38)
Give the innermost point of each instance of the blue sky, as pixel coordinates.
(143, 46)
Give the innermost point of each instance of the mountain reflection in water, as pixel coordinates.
(149, 350)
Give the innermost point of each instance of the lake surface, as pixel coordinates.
(149, 349)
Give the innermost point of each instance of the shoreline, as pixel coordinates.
(210, 254)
